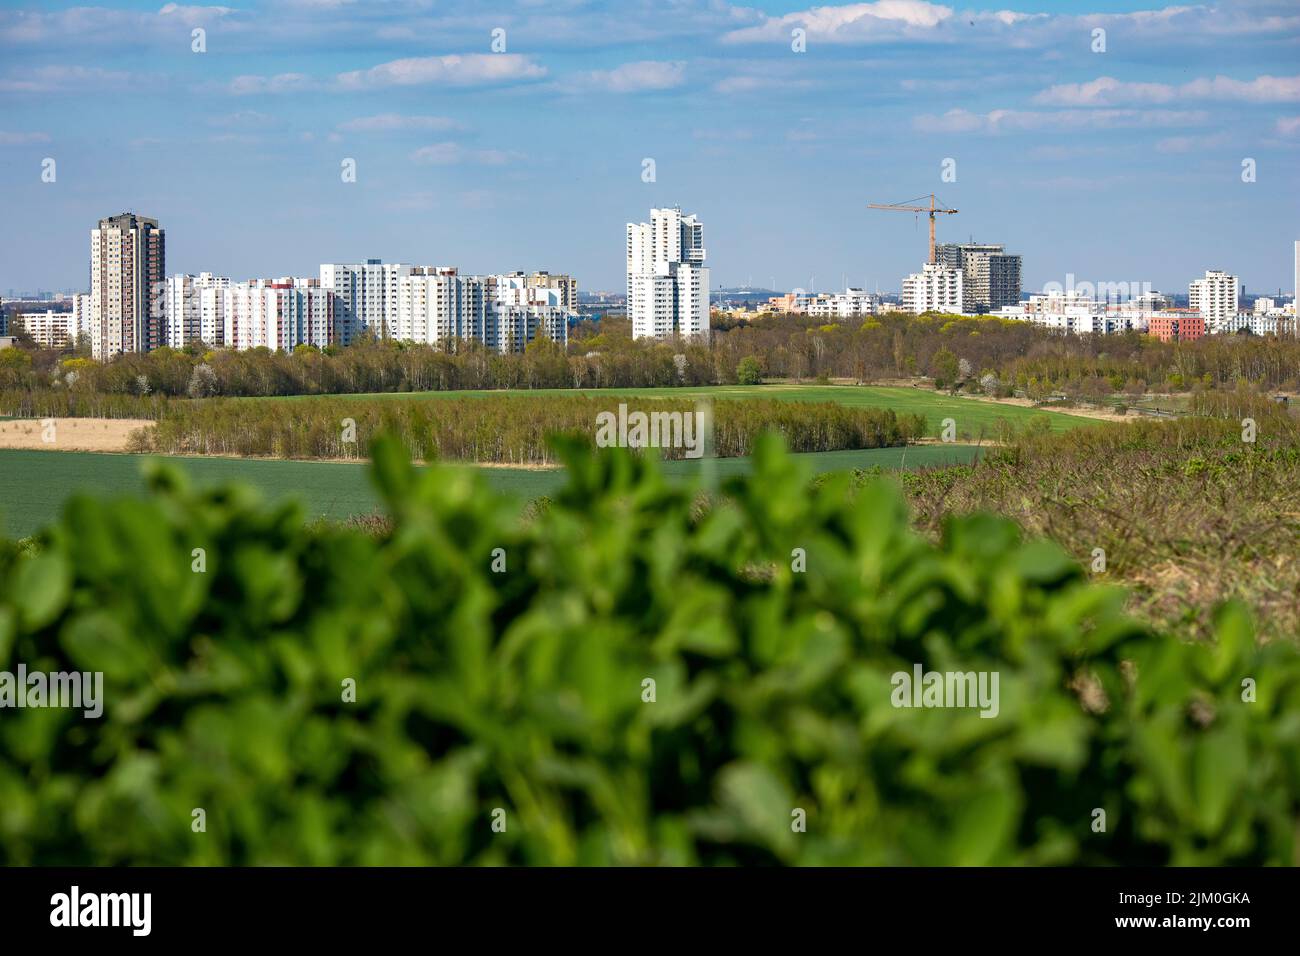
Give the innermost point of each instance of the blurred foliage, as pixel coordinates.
(523, 690)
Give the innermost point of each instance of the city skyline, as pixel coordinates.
(1125, 164)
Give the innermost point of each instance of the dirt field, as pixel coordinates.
(69, 434)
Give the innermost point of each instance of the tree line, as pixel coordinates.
(507, 429)
(1004, 354)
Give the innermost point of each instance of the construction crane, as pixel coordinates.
(903, 207)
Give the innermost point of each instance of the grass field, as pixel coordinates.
(971, 415)
(35, 484)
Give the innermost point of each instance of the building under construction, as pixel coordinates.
(990, 274)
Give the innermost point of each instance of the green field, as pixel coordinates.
(971, 415)
(35, 484)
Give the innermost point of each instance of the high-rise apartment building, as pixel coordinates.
(128, 267)
(522, 310)
(195, 309)
(667, 281)
(365, 295)
(1215, 297)
(936, 288)
(990, 275)
(565, 287)
(280, 314)
(81, 317)
(438, 306)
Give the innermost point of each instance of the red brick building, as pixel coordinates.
(1178, 325)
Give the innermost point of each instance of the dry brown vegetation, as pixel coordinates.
(70, 434)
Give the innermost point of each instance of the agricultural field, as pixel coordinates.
(972, 416)
(35, 484)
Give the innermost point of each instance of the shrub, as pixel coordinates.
(748, 372)
(524, 690)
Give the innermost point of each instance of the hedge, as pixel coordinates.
(503, 716)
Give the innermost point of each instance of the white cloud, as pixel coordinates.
(64, 79)
(469, 69)
(22, 139)
(280, 83)
(999, 121)
(393, 122)
(194, 15)
(246, 119)
(1189, 144)
(452, 154)
(635, 77)
(1288, 126)
(852, 22)
(1108, 91)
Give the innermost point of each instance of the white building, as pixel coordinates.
(521, 311)
(1256, 323)
(849, 304)
(1082, 315)
(366, 296)
(81, 317)
(438, 306)
(1215, 297)
(195, 307)
(49, 329)
(281, 314)
(936, 288)
(667, 281)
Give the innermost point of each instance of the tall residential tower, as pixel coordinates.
(667, 281)
(128, 269)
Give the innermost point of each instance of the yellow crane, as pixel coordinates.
(903, 207)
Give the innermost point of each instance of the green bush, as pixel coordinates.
(523, 689)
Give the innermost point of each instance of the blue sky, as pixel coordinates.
(1122, 165)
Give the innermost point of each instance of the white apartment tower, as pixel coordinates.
(438, 306)
(365, 295)
(81, 317)
(195, 309)
(936, 288)
(279, 315)
(667, 281)
(1216, 297)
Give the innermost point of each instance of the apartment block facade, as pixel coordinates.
(196, 309)
(278, 314)
(366, 296)
(1216, 297)
(49, 329)
(667, 281)
(439, 306)
(128, 267)
(936, 288)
